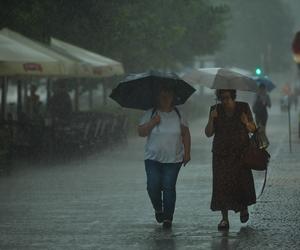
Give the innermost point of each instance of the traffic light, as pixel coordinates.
(258, 71)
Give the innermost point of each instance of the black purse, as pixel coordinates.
(255, 156)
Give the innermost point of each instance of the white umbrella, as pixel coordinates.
(220, 78)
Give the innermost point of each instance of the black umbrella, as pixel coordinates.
(140, 91)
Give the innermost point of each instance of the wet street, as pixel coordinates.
(101, 202)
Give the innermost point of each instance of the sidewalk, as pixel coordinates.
(276, 216)
(102, 202)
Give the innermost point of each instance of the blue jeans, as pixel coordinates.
(161, 185)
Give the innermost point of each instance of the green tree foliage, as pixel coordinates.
(259, 35)
(141, 34)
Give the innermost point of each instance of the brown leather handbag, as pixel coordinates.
(254, 156)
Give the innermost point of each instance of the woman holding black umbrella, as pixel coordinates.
(230, 122)
(168, 136)
(167, 148)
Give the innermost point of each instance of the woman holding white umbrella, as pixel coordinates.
(233, 187)
(230, 122)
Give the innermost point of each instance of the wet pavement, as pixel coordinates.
(101, 202)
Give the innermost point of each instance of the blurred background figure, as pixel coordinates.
(289, 97)
(33, 102)
(60, 104)
(260, 107)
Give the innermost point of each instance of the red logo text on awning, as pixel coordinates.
(32, 67)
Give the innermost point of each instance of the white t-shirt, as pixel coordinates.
(164, 143)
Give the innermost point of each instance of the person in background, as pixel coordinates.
(167, 148)
(260, 107)
(33, 103)
(230, 122)
(60, 104)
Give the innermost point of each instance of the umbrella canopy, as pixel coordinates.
(20, 55)
(266, 81)
(100, 66)
(220, 78)
(241, 71)
(140, 91)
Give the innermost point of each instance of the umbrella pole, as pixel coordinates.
(289, 120)
(76, 99)
(91, 98)
(25, 98)
(19, 99)
(3, 98)
(48, 87)
(104, 95)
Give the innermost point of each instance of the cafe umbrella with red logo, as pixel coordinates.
(21, 56)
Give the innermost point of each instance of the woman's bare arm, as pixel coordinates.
(209, 129)
(186, 140)
(248, 121)
(145, 129)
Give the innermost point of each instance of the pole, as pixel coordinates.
(104, 93)
(3, 97)
(289, 118)
(48, 93)
(90, 96)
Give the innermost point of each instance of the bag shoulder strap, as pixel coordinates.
(264, 185)
(153, 111)
(177, 112)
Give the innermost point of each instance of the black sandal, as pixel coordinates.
(223, 225)
(159, 216)
(167, 224)
(244, 216)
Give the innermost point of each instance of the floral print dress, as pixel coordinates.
(233, 185)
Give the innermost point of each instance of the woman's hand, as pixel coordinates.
(145, 129)
(155, 120)
(186, 159)
(248, 124)
(244, 118)
(213, 114)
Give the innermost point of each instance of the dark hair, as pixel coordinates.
(169, 88)
(262, 86)
(33, 87)
(231, 91)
